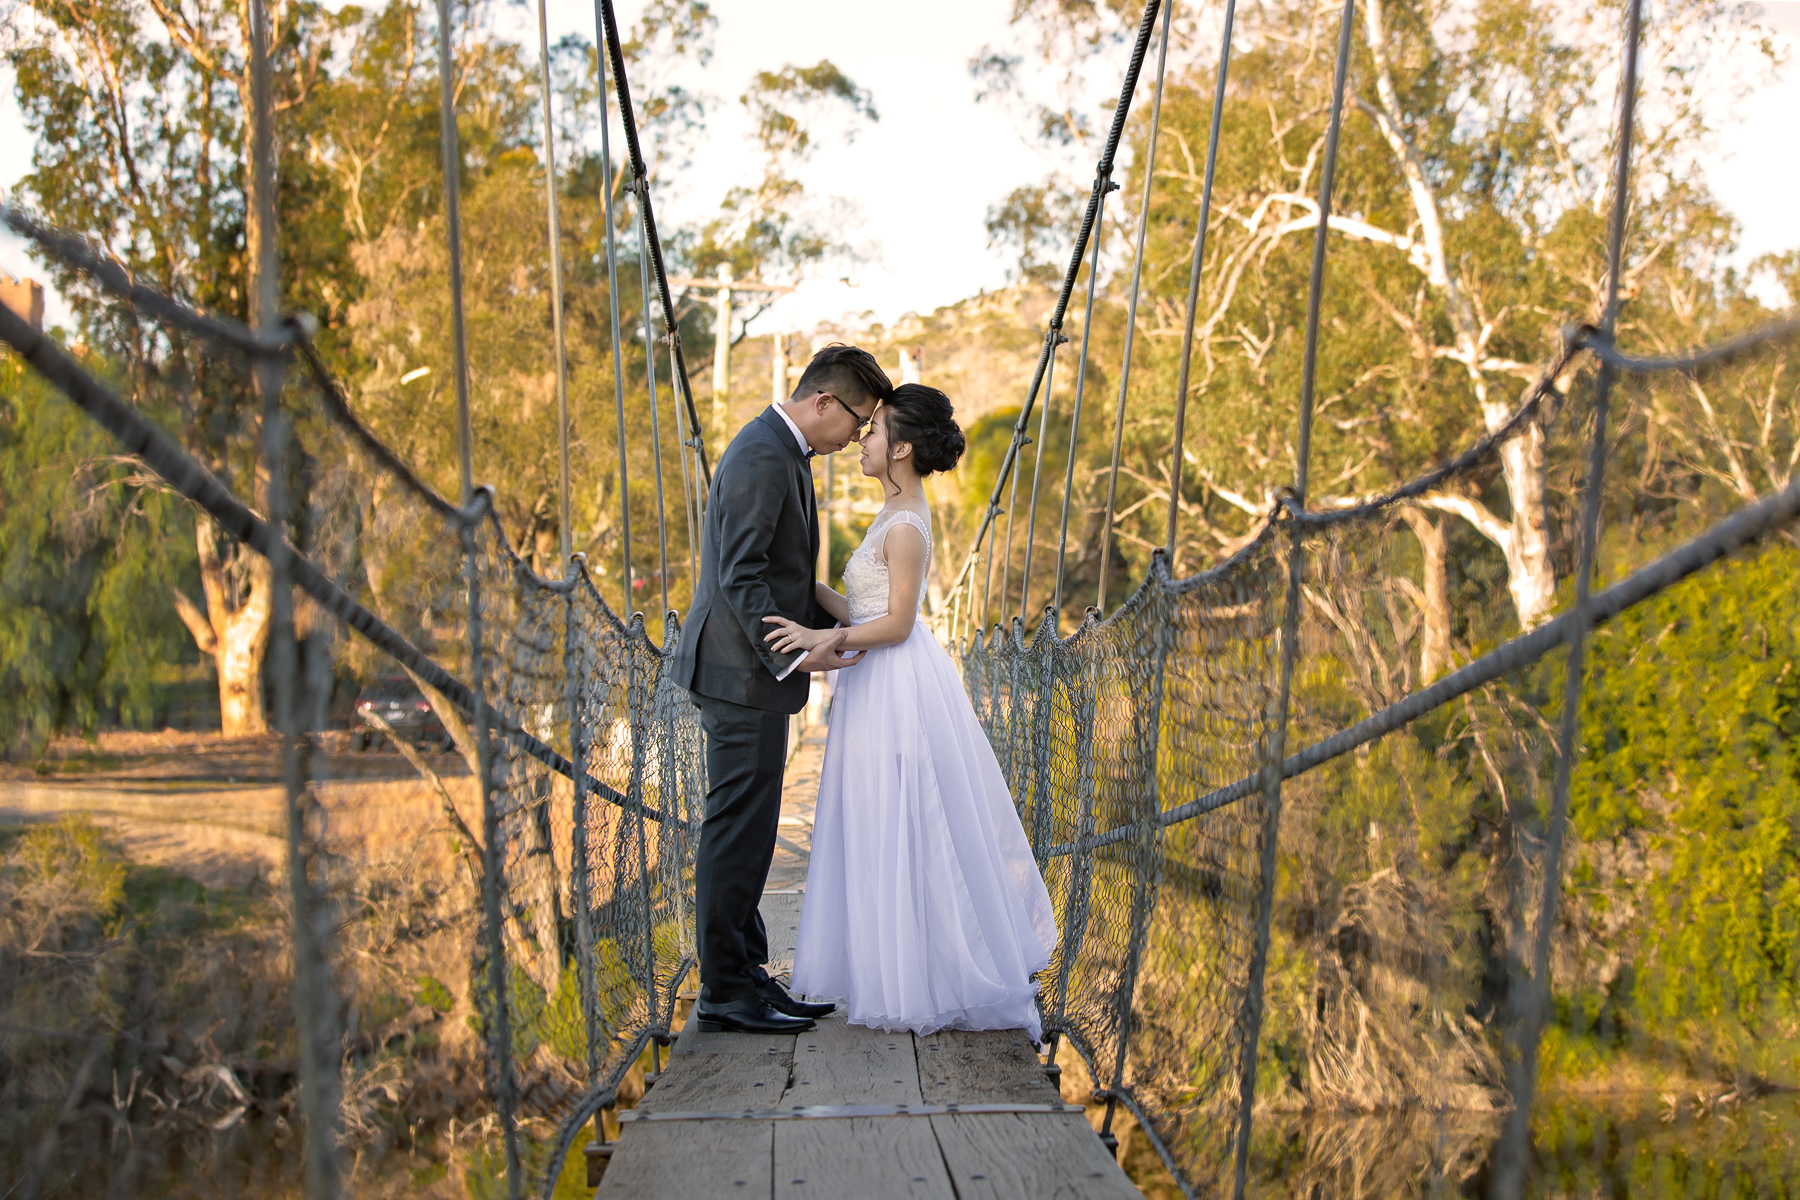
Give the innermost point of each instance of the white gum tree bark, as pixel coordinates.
(1523, 539)
(233, 628)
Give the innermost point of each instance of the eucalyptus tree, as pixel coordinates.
(137, 109)
(1467, 230)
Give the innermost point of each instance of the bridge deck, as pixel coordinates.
(952, 1156)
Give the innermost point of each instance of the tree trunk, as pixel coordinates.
(1529, 576)
(240, 632)
(1434, 637)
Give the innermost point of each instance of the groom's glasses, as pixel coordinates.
(862, 422)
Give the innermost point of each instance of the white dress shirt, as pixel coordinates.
(793, 428)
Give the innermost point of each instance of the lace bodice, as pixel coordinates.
(866, 574)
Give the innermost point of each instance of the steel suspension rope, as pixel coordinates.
(639, 172)
(1531, 995)
(1037, 474)
(612, 299)
(1053, 335)
(314, 997)
(1137, 276)
(566, 535)
(501, 1032)
(452, 157)
(1012, 505)
(1250, 1022)
(1081, 361)
(690, 500)
(640, 189)
(1193, 294)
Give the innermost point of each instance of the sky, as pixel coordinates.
(926, 173)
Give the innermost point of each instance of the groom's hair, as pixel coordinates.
(847, 372)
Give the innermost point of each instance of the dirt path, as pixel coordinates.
(203, 806)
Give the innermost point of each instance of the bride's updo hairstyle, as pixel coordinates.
(924, 417)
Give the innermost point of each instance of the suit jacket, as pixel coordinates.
(759, 550)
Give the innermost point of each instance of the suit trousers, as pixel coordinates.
(746, 752)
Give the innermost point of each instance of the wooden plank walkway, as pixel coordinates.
(946, 1156)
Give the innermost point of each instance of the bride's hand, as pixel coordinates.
(789, 635)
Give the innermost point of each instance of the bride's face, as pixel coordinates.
(874, 460)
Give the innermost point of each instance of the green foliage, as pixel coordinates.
(88, 553)
(1691, 731)
(434, 994)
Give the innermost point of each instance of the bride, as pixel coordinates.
(924, 907)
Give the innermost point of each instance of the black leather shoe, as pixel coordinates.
(776, 997)
(751, 1015)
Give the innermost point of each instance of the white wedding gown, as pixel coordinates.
(924, 907)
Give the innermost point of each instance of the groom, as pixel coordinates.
(758, 556)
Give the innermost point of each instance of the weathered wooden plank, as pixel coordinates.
(838, 1063)
(998, 1156)
(692, 1042)
(781, 920)
(692, 1160)
(879, 1158)
(958, 1067)
(720, 1083)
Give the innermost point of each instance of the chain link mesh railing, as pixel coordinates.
(582, 839)
(1215, 951)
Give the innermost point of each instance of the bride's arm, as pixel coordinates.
(831, 602)
(904, 549)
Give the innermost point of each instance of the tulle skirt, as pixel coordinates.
(924, 907)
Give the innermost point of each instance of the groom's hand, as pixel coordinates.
(826, 656)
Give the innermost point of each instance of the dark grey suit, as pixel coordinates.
(757, 554)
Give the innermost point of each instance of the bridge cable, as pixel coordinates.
(500, 1036)
(1037, 474)
(1530, 996)
(641, 190)
(565, 531)
(604, 64)
(1078, 253)
(639, 172)
(1250, 1018)
(1081, 362)
(1131, 308)
(1193, 295)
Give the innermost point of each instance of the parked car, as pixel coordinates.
(400, 703)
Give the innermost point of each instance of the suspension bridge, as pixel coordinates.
(1149, 751)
